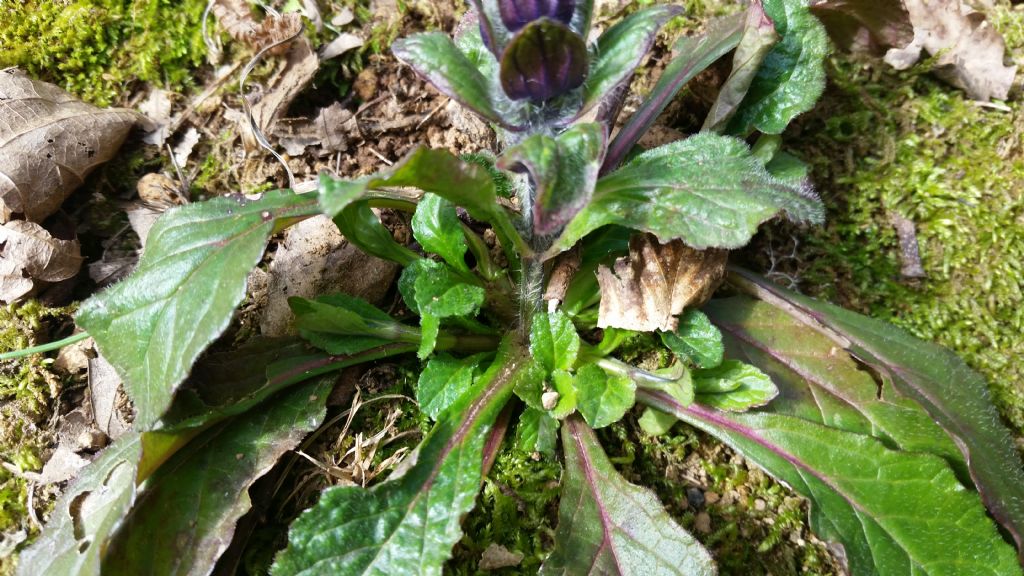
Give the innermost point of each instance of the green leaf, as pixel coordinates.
(362, 227)
(676, 380)
(758, 38)
(73, 540)
(893, 512)
(563, 384)
(529, 384)
(193, 502)
(437, 228)
(654, 422)
(733, 386)
(692, 55)
(620, 50)
(602, 398)
(434, 56)
(553, 340)
(955, 396)
(609, 526)
(153, 325)
(443, 380)
(792, 74)
(343, 324)
(438, 296)
(696, 339)
(537, 431)
(707, 190)
(407, 525)
(563, 170)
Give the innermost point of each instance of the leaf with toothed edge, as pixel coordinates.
(153, 325)
(407, 525)
(608, 526)
(435, 225)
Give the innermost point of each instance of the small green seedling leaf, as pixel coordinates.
(537, 431)
(153, 325)
(654, 422)
(563, 385)
(362, 227)
(733, 386)
(529, 384)
(602, 398)
(436, 226)
(193, 502)
(407, 525)
(443, 380)
(553, 340)
(436, 292)
(609, 526)
(343, 324)
(706, 190)
(696, 339)
(791, 76)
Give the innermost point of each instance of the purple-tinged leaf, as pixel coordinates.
(692, 55)
(408, 524)
(620, 50)
(954, 395)
(893, 512)
(193, 502)
(543, 60)
(518, 13)
(563, 170)
(434, 56)
(865, 25)
(608, 526)
(758, 38)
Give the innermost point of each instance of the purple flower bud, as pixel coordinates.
(518, 13)
(545, 59)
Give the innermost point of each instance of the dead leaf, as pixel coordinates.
(910, 256)
(656, 282)
(183, 150)
(343, 43)
(29, 255)
(969, 51)
(104, 384)
(49, 142)
(329, 131)
(298, 72)
(157, 108)
(157, 193)
(75, 358)
(314, 258)
(496, 556)
(63, 465)
(239, 22)
(865, 25)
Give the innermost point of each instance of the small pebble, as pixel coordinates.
(92, 440)
(760, 505)
(702, 523)
(711, 497)
(695, 498)
(549, 400)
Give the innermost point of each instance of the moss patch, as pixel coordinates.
(97, 49)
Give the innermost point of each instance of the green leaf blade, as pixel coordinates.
(603, 398)
(435, 225)
(443, 380)
(609, 526)
(696, 339)
(733, 386)
(553, 340)
(153, 325)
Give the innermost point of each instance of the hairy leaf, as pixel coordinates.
(434, 56)
(443, 380)
(655, 283)
(893, 512)
(553, 340)
(153, 325)
(563, 170)
(620, 50)
(193, 502)
(609, 526)
(602, 398)
(733, 386)
(792, 75)
(436, 227)
(758, 38)
(692, 55)
(954, 395)
(406, 525)
(706, 190)
(696, 339)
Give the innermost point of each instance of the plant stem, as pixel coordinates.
(45, 347)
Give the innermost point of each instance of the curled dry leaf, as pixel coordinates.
(29, 255)
(49, 142)
(865, 25)
(239, 22)
(655, 282)
(969, 51)
(299, 69)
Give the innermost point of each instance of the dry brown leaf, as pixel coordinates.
(29, 255)
(329, 131)
(655, 282)
(49, 142)
(341, 44)
(314, 258)
(969, 50)
(865, 25)
(238, 21)
(496, 557)
(298, 72)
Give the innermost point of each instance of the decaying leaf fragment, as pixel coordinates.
(49, 142)
(655, 282)
(29, 255)
(969, 50)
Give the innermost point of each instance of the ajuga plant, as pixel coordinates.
(595, 242)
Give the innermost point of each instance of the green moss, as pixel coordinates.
(883, 142)
(97, 49)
